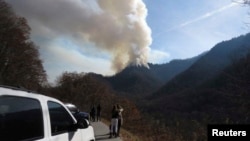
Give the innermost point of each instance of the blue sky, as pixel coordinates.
(105, 36)
(184, 29)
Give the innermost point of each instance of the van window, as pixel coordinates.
(20, 119)
(60, 119)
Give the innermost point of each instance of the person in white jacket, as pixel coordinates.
(120, 118)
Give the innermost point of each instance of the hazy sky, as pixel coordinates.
(104, 36)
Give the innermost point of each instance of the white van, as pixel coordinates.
(30, 116)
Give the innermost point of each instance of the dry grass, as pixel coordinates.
(127, 136)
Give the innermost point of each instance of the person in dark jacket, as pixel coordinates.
(93, 113)
(98, 114)
(114, 122)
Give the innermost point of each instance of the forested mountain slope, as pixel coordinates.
(218, 94)
(209, 65)
(222, 99)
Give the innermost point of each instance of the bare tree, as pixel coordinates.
(19, 56)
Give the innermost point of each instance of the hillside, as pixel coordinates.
(223, 99)
(208, 66)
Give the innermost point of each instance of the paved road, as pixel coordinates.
(102, 132)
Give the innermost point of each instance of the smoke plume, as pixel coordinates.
(115, 26)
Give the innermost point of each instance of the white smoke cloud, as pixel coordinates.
(115, 26)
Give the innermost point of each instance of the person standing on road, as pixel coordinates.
(93, 113)
(120, 119)
(98, 114)
(114, 122)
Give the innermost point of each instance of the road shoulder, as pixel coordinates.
(102, 132)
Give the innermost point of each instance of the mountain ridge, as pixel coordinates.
(137, 81)
(209, 65)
